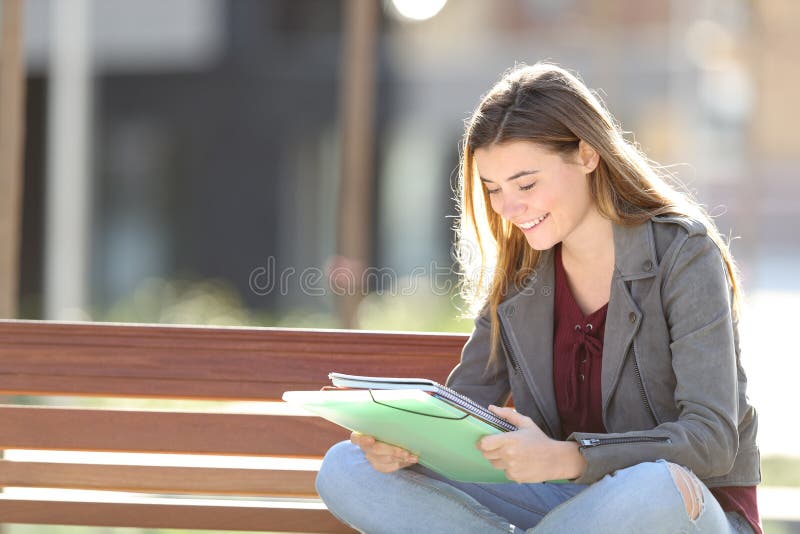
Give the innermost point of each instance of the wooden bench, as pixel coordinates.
(227, 365)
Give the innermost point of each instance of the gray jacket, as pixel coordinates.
(672, 383)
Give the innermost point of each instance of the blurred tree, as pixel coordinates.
(12, 102)
(357, 112)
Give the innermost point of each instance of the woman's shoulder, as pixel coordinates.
(672, 230)
(677, 222)
(684, 242)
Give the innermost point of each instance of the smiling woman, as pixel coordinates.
(606, 305)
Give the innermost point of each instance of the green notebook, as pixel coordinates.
(418, 415)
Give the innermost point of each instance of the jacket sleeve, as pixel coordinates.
(473, 376)
(696, 299)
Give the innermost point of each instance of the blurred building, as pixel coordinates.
(212, 129)
(212, 139)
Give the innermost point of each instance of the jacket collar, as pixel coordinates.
(634, 251)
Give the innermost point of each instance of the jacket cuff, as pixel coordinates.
(606, 453)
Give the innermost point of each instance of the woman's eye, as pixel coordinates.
(521, 188)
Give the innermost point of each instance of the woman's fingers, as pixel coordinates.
(389, 455)
(386, 464)
(498, 464)
(362, 440)
(389, 466)
(380, 449)
(382, 456)
(402, 457)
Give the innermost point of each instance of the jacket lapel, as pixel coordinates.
(634, 259)
(622, 321)
(527, 319)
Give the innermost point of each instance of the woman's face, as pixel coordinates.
(546, 197)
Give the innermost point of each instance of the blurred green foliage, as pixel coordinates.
(781, 527)
(780, 471)
(204, 302)
(216, 302)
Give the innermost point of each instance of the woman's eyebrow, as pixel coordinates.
(520, 174)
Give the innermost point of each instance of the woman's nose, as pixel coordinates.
(512, 208)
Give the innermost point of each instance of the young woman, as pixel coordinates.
(610, 318)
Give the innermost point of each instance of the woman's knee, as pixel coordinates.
(684, 480)
(344, 469)
(690, 487)
(335, 466)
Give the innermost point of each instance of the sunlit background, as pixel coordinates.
(187, 161)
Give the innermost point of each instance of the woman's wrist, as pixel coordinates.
(574, 464)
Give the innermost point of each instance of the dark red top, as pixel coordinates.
(577, 362)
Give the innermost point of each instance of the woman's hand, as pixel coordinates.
(382, 456)
(528, 454)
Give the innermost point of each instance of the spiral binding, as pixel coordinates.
(473, 407)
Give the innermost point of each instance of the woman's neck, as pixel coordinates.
(588, 261)
(591, 243)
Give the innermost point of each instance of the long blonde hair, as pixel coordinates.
(551, 107)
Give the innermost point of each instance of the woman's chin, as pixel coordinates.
(540, 244)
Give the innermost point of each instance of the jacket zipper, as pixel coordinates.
(641, 385)
(515, 365)
(507, 347)
(594, 442)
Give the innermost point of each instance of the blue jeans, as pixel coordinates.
(642, 498)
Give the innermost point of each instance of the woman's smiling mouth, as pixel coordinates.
(530, 225)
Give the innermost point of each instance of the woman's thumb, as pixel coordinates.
(510, 415)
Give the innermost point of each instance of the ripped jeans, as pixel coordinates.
(651, 497)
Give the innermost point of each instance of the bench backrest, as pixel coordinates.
(227, 365)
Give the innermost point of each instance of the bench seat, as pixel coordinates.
(54, 375)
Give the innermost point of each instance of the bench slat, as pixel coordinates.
(142, 515)
(161, 479)
(205, 362)
(109, 386)
(33, 427)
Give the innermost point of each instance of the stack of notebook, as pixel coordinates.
(439, 425)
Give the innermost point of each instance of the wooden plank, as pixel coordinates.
(205, 363)
(178, 515)
(12, 134)
(160, 479)
(99, 386)
(29, 427)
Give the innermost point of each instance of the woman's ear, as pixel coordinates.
(587, 156)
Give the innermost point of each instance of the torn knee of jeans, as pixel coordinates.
(690, 487)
